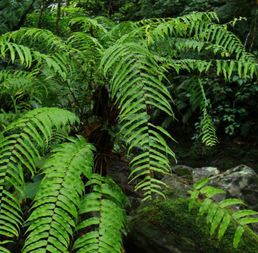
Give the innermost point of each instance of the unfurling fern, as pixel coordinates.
(136, 86)
(102, 218)
(21, 144)
(55, 208)
(222, 213)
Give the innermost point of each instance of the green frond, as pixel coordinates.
(35, 37)
(223, 213)
(198, 33)
(103, 218)
(13, 51)
(192, 17)
(18, 83)
(207, 130)
(86, 45)
(136, 85)
(120, 31)
(55, 208)
(19, 147)
(90, 25)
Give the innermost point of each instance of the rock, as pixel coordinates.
(183, 171)
(204, 172)
(167, 226)
(239, 182)
(176, 186)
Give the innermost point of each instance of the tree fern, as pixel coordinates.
(19, 147)
(223, 213)
(103, 218)
(55, 208)
(136, 86)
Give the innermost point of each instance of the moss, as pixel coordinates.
(180, 227)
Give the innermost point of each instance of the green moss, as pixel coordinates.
(180, 227)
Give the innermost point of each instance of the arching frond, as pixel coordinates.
(55, 208)
(198, 32)
(18, 83)
(15, 52)
(136, 85)
(21, 144)
(36, 37)
(103, 218)
(90, 25)
(85, 45)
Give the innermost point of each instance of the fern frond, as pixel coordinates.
(90, 25)
(15, 51)
(136, 87)
(19, 147)
(101, 229)
(18, 53)
(198, 31)
(207, 130)
(18, 83)
(223, 213)
(36, 37)
(86, 45)
(55, 208)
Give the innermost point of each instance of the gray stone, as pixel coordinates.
(204, 172)
(176, 186)
(239, 182)
(183, 171)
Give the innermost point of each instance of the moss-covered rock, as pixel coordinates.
(168, 227)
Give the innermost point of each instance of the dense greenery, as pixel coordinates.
(82, 82)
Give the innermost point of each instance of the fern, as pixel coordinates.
(198, 32)
(221, 214)
(19, 147)
(35, 37)
(104, 218)
(16, 84)
(90, 25)
(198, 100)
(18, 53)
(55, 208)
(136, 87)
(207, 130)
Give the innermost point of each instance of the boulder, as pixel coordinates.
(204, 172)
(167, 226)
(239, 182)
(175, 186)
(183, 171)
